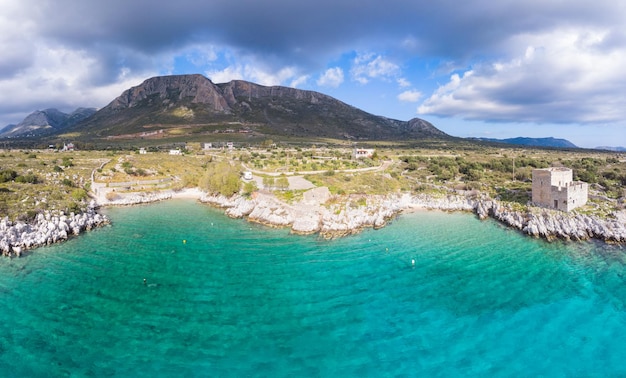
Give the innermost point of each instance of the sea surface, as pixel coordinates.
(430, 295)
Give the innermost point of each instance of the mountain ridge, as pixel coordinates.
(45, 121)
(195, 101)
(536, 142)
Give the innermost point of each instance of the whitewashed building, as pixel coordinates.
(363, 153)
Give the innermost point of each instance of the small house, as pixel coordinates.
(363, 153)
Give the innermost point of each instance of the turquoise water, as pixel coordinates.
(224, 297)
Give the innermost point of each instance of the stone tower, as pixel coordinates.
(556, 189)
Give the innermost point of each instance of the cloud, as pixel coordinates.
(403, 83)
(60, 78)
(564, 76)
(410, 96)
(332, 77)
(369, 66)
(533, 60)
(255, 73)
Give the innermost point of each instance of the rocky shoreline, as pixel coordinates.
(320, 214)
(46, 229)
(355, 214)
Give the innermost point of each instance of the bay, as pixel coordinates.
(432, 294)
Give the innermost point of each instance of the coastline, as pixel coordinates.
(314, 215)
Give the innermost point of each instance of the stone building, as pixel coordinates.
(556, 189)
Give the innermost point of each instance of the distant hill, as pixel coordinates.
(193, 104)
(46, 121)
(537, 142)
(616, 149)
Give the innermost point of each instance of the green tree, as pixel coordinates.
(282, 183)
(221, 178)
(268, 182)
(249, 188)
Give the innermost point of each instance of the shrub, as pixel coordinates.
(7, 175)
(249, 188)
(282, 183)
(79, 194)
(27, 179)
(268, 182)
(67, 162)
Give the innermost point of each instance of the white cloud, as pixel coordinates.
(61, 78)
(410, 96)
(561, 76)
(300, 80)
(403, 83)
(254, 73)
(369, 66)
(227, 74)
(333, 77)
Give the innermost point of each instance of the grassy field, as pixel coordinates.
(35, 180)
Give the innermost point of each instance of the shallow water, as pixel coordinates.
(433, 294)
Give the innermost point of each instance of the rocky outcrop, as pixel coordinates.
(305, 218)
(47, 228)
(174, 88)
(551, 224)
(127, 199)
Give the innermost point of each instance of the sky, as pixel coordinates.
(476, 68)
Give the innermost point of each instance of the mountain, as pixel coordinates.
(536, 142)
(46, 121)
(608, 148)
(193, 104)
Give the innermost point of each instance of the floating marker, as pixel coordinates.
(413, 262)
(184, 241)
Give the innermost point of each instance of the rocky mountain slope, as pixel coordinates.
(46, 121)
(197, 104)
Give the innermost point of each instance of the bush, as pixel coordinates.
(79, 194)
(282, 183)
(249, 188)
(7, 175)
(67, 162)
(27, 179)
(67, 182)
